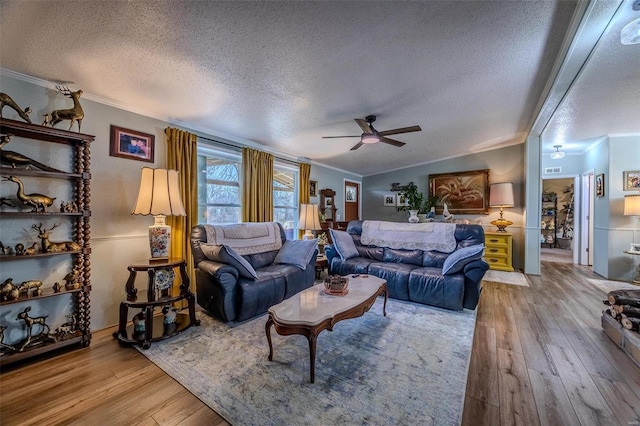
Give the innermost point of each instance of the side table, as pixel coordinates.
(321, 263)
(636, 280)
(157, 295)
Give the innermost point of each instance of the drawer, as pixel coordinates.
(496, 239)
(497, 261)
(496, 250)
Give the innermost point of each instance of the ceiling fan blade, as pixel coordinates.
(400, 130)
(331, 137)
(363, 125)
(356, 146)
(392, 141)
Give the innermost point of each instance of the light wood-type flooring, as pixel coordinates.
(539, 357)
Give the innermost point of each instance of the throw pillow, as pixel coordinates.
(457, 260)
(344, 244)
(225, 254)
(296, 252)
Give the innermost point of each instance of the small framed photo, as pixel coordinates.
(131, 144)
(631, 180)
(600, 185)
(389, 200)
(350, 194)
(328, 202)
(313, 188)
(401, 200)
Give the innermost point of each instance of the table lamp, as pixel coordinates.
(159, 196)
(309, 220)
(501, 195)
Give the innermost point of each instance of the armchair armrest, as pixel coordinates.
(330, 252)
(473, 274)
(216, 288)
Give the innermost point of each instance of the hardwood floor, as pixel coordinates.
(539, 358)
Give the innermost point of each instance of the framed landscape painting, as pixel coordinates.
(464, 192)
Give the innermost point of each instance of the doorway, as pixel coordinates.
(586, 236)
(557, 237)
(351, 200)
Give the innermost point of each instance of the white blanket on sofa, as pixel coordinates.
(423, 236)
(246, 238)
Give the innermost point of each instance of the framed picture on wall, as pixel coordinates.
(131, 144)
(600, 185)
(464, 192)
(401, 200)
(631, 180)
(350, 194)
(389, 200)
(313, 188)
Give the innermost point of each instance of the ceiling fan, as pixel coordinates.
(370, 135)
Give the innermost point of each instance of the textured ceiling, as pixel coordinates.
(284, 74)
(605, 98)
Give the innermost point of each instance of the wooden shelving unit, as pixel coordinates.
(79, 260)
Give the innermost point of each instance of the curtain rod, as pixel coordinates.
(297, 163)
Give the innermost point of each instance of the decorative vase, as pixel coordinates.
(413, 218)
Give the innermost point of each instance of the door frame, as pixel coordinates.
(586, 217)
(344, 201)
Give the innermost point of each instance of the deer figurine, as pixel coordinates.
(51, 247)
(6, 100)
(74, 114)
(30, 322)
(39, 202)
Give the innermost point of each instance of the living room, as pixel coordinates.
(118, 238)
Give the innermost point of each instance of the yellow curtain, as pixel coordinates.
(257, 186)
(304, 196)
(182, 156)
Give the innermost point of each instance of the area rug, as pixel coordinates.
(409, 367)
(504, 277)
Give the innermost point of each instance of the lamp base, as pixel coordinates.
(308, 235)
(159, 239)
(502, 224)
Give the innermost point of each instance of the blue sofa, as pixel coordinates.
(417, 275)
(225, 293)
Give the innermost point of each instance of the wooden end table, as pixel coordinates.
(157, 295)
(311, 311)
(321, 263)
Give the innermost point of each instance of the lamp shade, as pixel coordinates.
(501, 195)
(632, 205)
(159, 193)
(309, 217)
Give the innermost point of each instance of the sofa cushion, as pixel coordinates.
(355, 265)
(396, 275)
(412, 257)
(459, 258)
(429, 286)
(225, 254)
(297, 252)
(369, 252)
(344, 244)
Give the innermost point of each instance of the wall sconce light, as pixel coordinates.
(501, 195)
(159, 196)
(558, 154)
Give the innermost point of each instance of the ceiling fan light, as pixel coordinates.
(558, 154)
(369, 138)
(630, 34)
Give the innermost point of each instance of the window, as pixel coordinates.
(285, 199)
(219, 198)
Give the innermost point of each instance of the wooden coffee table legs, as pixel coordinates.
(311, 331)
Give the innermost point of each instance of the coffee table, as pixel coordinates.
(311, 311)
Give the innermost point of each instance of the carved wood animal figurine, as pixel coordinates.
(47, 120)
(51, 247)
(30, 322)
(6, 250)
(31, 288)
(15, 159)
(6, 100)
(74, 114)
(39, 202)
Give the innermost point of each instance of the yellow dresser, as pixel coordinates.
(497, 252)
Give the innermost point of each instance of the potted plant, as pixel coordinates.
(414, 200)
(428, 206)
